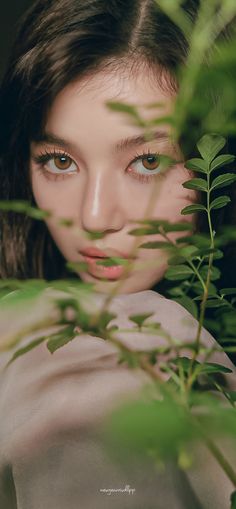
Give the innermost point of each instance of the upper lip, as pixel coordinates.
(98, 253)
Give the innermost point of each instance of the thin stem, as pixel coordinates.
(206, 286)
(221, 389)
(191, 264)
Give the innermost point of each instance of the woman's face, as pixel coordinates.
(94, 167)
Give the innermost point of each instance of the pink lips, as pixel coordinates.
(93, 254)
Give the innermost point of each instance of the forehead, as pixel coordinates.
(85, 100)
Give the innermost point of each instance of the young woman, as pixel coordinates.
(64, 150)
(77, 158)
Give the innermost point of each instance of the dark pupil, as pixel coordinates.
(151, 162)
(62, 162)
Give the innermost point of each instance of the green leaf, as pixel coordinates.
(24, 207)
(177, 227)
(156, 245)
(22, 296)
(188, 252)
(217, 253)
(139, 232)
(229, 323)
(14, 205)
(197, 184)
(188, 304)
(228, 291)
(206, 367)
(164, 225)
(77, 266)
(68, 223)
(230, 349)
(214, 273)
(176, 260)
(94, 235)
(223, 181)
(122, 107)
(140, 319)
(131, 358)
(176, 291)
(215, 303)
(197, 288)
(199, 240)
(233, 500)
(184, 363)
(183, 254)
(162, 425)
(212, 367)
(178, 273)
(221, 160)
(229, 340)
(210, 145)
(191, 209)
(232, 395)
(27, 348)
(129, 109)
(112, 261)
(61, 338)
(155, 227)
(220, 202)
(104, 319)
(37, 214)
(197, 164)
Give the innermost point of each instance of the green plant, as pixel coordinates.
(195, 399)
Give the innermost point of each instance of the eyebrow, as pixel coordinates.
(122, 145)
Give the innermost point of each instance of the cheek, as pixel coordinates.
(172, 197)
(66, 240)
(56, 197)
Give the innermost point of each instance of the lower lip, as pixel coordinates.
(100, 271)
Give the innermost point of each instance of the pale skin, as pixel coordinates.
(99, 184)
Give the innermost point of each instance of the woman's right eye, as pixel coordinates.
(62, 163)
(57, 163)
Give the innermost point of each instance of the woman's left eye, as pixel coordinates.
(146, 166)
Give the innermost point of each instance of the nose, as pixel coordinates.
(103, 203)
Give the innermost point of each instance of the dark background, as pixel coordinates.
(11, 11)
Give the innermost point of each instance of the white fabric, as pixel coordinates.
(53, 405)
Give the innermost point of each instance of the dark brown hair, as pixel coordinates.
(57, 42)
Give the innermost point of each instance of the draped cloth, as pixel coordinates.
(53, 406)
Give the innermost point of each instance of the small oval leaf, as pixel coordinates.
(223, 181)
(221, 160)
(197, 164)
(156, 245)
(191, 209)
(220, 202)
(188, 304)
(178, 272)
(197, 184)
(210, 145)
(214, 273)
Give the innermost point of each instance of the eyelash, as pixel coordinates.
(42, 159)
